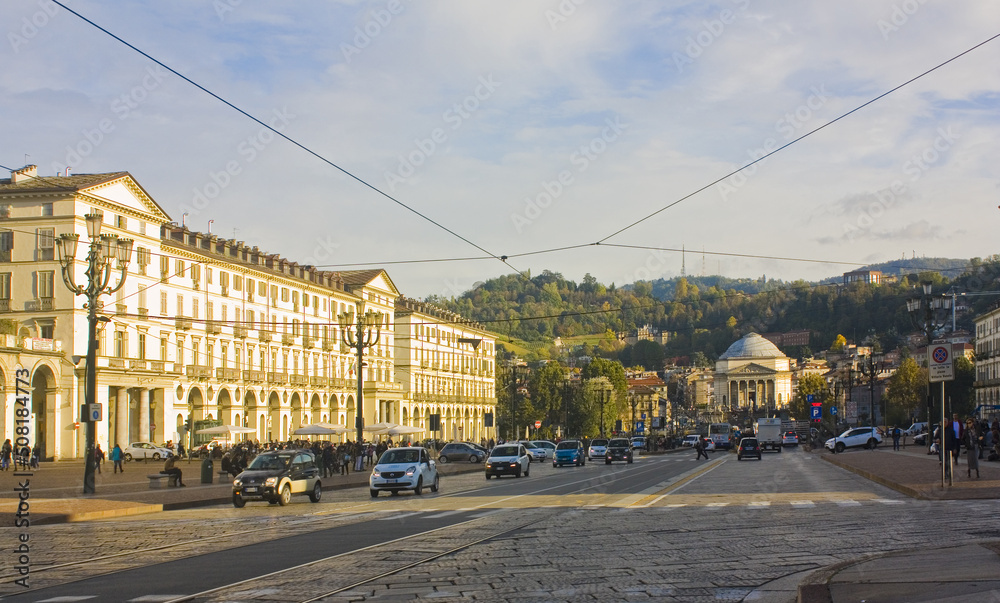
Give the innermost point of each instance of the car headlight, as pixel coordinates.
(410, 471)
(271, 481)
(237, 482)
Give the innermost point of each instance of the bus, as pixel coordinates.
(720, 434)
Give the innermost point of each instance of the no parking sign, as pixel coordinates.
(939, 361)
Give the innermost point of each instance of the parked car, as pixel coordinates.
(689, 440)
(276, 476)
(536, 453)
(508, 459)
(867, 437)
(460, 451)
(790, 439)
(146, 450)
(406, 468)
(619, 449)
(569, 452)
(550, 447)
(921, 439)
(598, 448)
(748, 447)
(915, 429)
(638, 443)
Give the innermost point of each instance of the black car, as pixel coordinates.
(619, 449)
(276, 476)
(748, 447)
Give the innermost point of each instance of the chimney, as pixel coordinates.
(28, 172)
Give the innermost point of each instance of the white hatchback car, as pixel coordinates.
(537, 453)
(859, 436)
(508, 459)
(146, 450)
(598, 448)
(404, 469)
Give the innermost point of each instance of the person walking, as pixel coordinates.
(972, 446)
(5, 455)
(98, 457)
(699, 446)
(117, 458)
(895, 437)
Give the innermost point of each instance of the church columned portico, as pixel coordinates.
(755, 377)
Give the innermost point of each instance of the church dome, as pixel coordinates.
(752, 346)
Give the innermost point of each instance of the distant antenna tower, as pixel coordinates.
(703, 261)
(683, 270)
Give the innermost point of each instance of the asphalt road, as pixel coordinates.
(664, 528)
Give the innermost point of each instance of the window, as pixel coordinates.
(46, 209)
(142, 259)
(142, 346)
(46, 243)
(223, 353)
(210, 355)
(47, 331)
(223, 279)
(295, 297)
(209, 311)
(195, 272)
(142, 299)
(194, 308)
(5, 286)
(284, 294)
(120, 344)
(121, 222)
(179, 358)
(163, 303)
(6, 245)
(238, 283)
(250, 319)
(163, 348)
(208, 275)
(164, 267)
(46, 284)
(179, 267)
(180, 305)
(262, 288)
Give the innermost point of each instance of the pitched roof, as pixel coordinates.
(76, 182)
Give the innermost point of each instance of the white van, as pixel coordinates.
(916, 428)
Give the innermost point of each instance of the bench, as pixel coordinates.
(155, 480)
(225, 477)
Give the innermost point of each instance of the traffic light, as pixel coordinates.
(187, 424)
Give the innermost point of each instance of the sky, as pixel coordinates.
(517, 129)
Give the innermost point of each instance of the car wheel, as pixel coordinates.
(779, 449)
(156, 456)
(442, 459)
(436, 485)
(419, 488)
(759, 457)
(607, 462)
(317, 493)
(374, 493)
(128, 458)
(629, 460)
(554, 465)
(473, 459)
(872, 443)
(238, 501)
(517, 473)
(488, 476)
(839, 447)
(739, 457)
(286, 495)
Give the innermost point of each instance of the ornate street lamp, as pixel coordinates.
(870, 366)
(104, 250)
(360, 334)
(934, 313)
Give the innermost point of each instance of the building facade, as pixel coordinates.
(987, 358)
(204, 328)
(753, 374)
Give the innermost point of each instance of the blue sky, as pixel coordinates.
(526, 126)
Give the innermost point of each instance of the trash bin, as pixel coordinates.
(206, 471)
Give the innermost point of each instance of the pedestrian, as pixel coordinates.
(180, 449)
(328, 461)
(117, 458)
(36, 455)
(895, 438)
(699, 446)
(972, 446)
(951, 447)
(345, 461)
(5, 454)
(98, 457)
(171, 468)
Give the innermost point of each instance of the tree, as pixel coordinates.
(959, 392)
(546, 388)
(838, 344)
(649, 354)
(905, 392)
(810, 384)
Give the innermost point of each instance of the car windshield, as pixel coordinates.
(567, 445)
(269, 462)
(618, 444)
(399, 456)
(599, 443)
(504, 451)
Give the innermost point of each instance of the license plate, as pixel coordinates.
(390, 481)
(250, 489)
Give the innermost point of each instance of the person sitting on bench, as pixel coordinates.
(170, 468)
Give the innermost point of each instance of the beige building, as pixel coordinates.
(752, 374)
(446, 366)
(204, 327)
(987, 358)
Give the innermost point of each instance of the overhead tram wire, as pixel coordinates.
(278, 133)
(791, 142)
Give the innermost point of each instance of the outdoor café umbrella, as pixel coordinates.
(336, 429)
(379, 427)
(314, 430)
(402, 430)
(226, 430)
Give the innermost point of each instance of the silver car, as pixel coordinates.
(146, 450)
(408, 468)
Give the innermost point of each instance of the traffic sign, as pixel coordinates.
(640, 426)
(833, 411)
(538, 424)
(816, 413)
(939, 361)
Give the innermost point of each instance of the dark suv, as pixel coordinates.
(748, 447)
(619, 449)
(275, 476)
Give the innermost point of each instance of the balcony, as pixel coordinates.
(121, 309)
(297, 379)
(213, 327)
(328, 345)
(4, 305)
(264, 335)
(197, 371)
(157, 366)
(182, 323)
(318, 381)
(308, 342)
(240, 331)
(116, 363)
(195, 284)
(138, 365)
(225, 292)
(143, 312)
(280, 378)
(46, 304)
(287, 339)
(425, 364)
(254, 376)
(227, 374)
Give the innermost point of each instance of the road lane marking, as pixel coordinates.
(802, 504)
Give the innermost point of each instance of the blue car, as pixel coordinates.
(569, 452)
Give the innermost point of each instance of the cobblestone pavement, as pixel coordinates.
(738, 531)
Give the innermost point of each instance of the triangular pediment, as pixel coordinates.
(752, 369)
(127, 193)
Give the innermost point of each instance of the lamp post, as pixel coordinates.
(104, 249)
(360, 333)
(929, 309)
(870, 367)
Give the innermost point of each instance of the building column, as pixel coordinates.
(121, 417)
(143, 404)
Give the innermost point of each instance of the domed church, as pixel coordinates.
(753, 374)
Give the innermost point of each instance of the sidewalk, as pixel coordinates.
(55, 490)
(933, 574)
